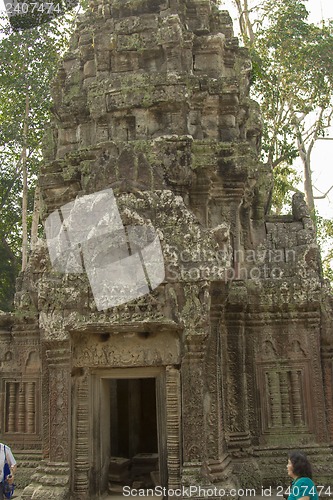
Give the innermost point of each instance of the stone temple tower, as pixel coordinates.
(209, 377)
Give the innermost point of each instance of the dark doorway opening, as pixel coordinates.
(134, 459)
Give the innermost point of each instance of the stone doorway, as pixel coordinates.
(133, 428)
(131, 425)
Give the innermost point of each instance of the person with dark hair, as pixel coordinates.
(300, 471)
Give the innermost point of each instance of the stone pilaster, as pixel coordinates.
(173, 404)
(193, 408)
(218, 460)
(327, 363)
(59, 386)
(81, 433)
(51, 479)
(238, 436)
(326, 334)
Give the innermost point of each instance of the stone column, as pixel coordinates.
(218, 460)
(327, 360)
(238, 435)
(82, 436)
(173, 404)
(12, 407)
(59, 404)
(213, 418)
(31, 407)
(193, 408)
(51, 479)
(21, 409)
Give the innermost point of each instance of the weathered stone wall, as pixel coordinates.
(152, 100)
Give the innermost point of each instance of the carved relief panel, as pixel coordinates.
(127, 349)
(285, 395)
(20, 406)
(285, 380)
(20, 394)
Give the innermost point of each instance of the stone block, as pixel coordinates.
(66, 136)
(70, 65)
(155, 478)
(102, 60)
(135, 24)
(89, 69)
(102, 133)
(304, 237)
(97, 105)
(143, 463)
(123, 62)
(86, 46)
(119, 469)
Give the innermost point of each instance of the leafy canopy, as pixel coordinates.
(28, 61)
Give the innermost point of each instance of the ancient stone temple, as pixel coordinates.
(209, 377)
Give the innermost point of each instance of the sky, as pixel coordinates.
(322, 156)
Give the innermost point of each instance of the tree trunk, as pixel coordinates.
(249, 27)
(245, 24)
(308, 187)
(25, 187)
(305, 157)
(35, 218)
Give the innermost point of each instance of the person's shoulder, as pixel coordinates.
(304, 480)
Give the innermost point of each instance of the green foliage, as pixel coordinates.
(29, 61)
(292, 76)
(325, 240)
(31, 14)
(8, 271)
(292, 80)
(10, 244)
(285, 180)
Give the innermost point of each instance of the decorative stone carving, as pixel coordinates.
(82, 448)
(152, 101)
(58, 360)
(173, 404)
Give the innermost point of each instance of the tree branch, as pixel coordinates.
(315, 134)
(323, 194)
(279, 160)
